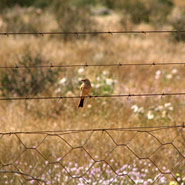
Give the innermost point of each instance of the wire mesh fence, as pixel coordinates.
(138, 155)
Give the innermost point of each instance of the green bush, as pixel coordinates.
(46, 3)
(178, 24)
(11, 3)
(26, 81)
(112, 4)
(42, 3)
(4, 4)
(137, 11)
(159, 10)
(22, 20)
(153, 11)
(71, 18)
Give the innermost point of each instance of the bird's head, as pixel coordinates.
(85, 80)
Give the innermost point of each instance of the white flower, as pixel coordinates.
(150, 180)
(59, 158)
(164, 114)
(58, 90)
(150, 115)
(109, 81)
(62, 81)
(167, 104)
(98, 78)
(169, 76)
(79, 79)
(135, 108)
(157, 74)
(46, 162)
(92, 84)
(89, 106)
(81, 70)
(172, 183)
(97, 86)
(105, 72)
(163, 180)
(174, 71)
(170, 108)
(178, 179)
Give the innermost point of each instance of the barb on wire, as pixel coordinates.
(94, 65)
(94, 96)
(93, 32)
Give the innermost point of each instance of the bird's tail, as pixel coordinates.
(81, 102)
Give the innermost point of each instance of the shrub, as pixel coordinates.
(10, 3)
(154, 11)
(137, 11)
(159, 10)
(4, 4)
(27, 81)
(22, 20)
(178, 23)
(71, 18)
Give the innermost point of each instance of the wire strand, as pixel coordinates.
(93, 32)
(97, 129)
(94, 65)
(95, 96)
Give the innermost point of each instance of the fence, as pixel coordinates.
(96, 65)
(135, 155)
(93, 32)
(117, 155)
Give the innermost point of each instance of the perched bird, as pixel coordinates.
(85, 90)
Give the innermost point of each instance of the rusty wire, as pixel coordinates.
(69, 131)
(93, 32)
(94, 65)
(94, 96)
(84, 148)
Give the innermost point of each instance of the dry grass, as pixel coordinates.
(97, 113)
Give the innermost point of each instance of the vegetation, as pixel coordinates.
(178, 23)
(43, 155)
(27, 81)
(70, 18)
(152, 11)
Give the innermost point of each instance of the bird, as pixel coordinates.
(85, 90)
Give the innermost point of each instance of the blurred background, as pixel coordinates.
(89, 15)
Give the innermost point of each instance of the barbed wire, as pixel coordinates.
(85, 148)
(94, 96)
(92, 32)
(93, 65)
